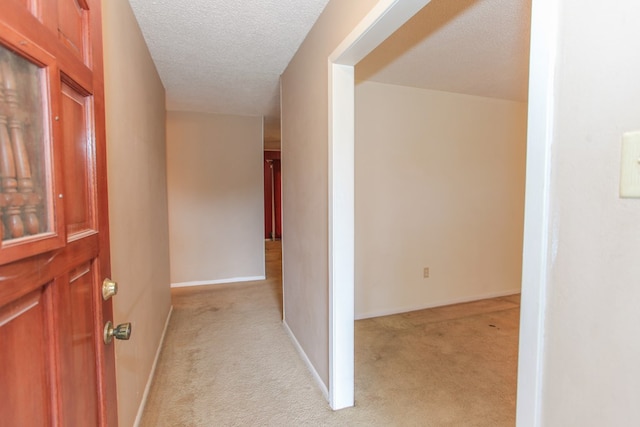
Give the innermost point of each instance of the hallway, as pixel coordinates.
(227, 361)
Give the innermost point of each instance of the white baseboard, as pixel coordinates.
(217, 282)
(145, 395)
(305, 359)
(398, 310)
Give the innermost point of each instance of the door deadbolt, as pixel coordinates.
(109, 288)
(120, 332)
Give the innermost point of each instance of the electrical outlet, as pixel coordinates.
(426, 272)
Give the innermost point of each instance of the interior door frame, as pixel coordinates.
(384, 19)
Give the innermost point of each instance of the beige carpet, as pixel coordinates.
(227, 361)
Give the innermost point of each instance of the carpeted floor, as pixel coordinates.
(227, 361)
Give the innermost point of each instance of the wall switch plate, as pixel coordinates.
(630, 167)
(426, 273)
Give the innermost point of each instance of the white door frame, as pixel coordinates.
(385, 18)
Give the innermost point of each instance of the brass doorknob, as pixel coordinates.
(109, 288)
(120, 332)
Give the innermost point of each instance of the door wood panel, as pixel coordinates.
(77, 166)
(24, 375)
(77, 346)
(72, 26)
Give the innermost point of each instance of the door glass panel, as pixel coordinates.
(24, 156)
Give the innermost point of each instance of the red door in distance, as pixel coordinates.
(272, 195)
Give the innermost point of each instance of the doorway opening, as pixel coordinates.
(381, 22)
(272, 169)
(272, 195)
(439, 207)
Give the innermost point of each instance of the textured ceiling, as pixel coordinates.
(226, 56)
(477, 47)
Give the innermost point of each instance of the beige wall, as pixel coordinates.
(590, 354)
(137, 200)
(591, 370)
(216, 197)
(439, 184)
(305, 182)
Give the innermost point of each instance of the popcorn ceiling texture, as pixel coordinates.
(224, 56)
(475, 47)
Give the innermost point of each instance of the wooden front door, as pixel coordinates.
(55, 368)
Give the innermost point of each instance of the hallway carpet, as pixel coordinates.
(227, 361)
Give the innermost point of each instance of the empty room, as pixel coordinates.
(440, 124)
